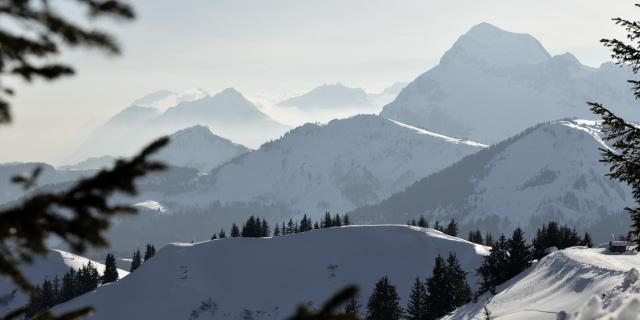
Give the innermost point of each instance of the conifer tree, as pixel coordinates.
(284, 229)
(623, 158)
(316, 226)
(327, 222)
(222, 234)
(520, 255)
(417, 306)
(384, 302)
(346, 220)
(265, 231)
(149, 252)
(438, 289)
(457, 278)
(337, 222)
(493, 270)
(136, 261)
(110, 269)
(452, 228)
(586, 240)
(235, 231)
(422, 222)
(488, 240)
(276, 231)
(412, 222)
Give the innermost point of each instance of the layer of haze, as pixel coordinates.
(270, 49)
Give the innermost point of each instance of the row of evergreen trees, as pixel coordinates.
(443, 292)
(137, 259)
(73, 284)
(509, 257)
(451, 228)
(255, 227)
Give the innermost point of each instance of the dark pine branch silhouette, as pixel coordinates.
(26, 51)
(624, 137)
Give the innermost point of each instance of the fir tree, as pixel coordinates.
(624, 137)
(110, 269)
(316, 226)
(214, 236)
(265, 231)
(457, 278)
(493, 270)
(422, 222)
(149, 252)
(327, 222)
(452, 228)
(520, 256)
(439, 290)
(417, 305)
(488, 240)
(235, 231)
(384, 302)
(136, 261)
(222, 234)
(276, 231)
(586, 240)
(337, 222)
(346, 221)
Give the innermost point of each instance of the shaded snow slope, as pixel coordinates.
(492, 84)
(558, 286)
(329, 96)
(56, 263)
(268, 277)
(548, 172)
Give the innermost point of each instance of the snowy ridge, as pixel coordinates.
(548, 172)
(337, 167)
(269, 277)
(443, 137)
(559, 286)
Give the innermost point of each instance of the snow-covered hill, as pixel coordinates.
(269, 277)
(228, 113)
(198, 148)
(560, 285)
(56, 263)
(330, 96)
(492, 84)
(339, 166)
(548, 172)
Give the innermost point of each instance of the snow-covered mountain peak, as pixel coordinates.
(134, 113)
(487, 45)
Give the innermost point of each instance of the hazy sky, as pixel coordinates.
(273, 48)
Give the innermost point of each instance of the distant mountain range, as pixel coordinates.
(335, 167)
(493, 84)
(550, 172)
(330, 96)
(228, 113)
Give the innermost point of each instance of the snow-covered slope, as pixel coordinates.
(269, 277)
(492, 84)
(330, 96)
(560, 285)
(227, 113)
(336, 167)
(56, 263)
(548, 172)
(198, 148)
